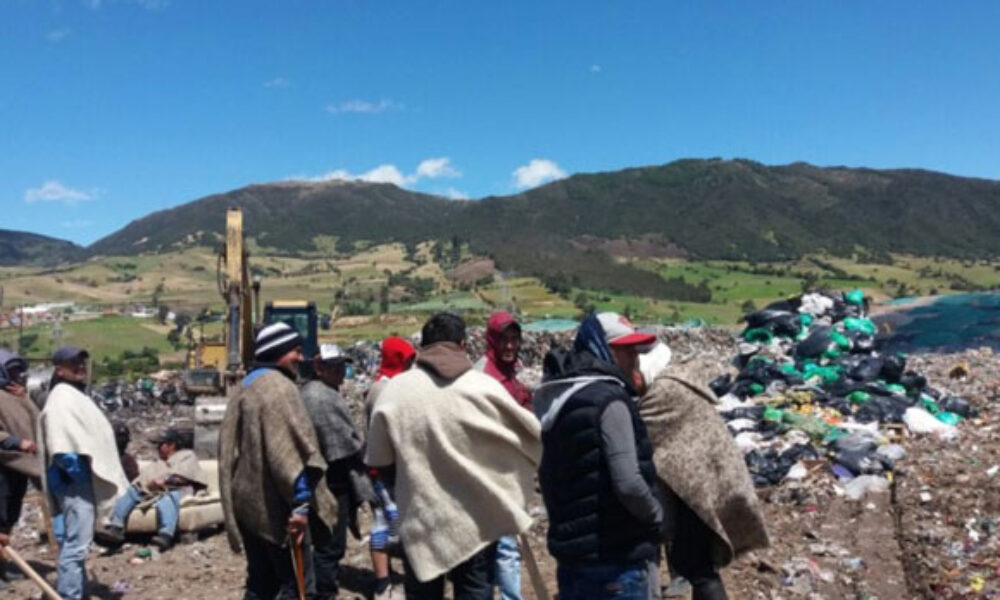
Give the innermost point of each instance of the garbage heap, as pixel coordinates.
(812, 386)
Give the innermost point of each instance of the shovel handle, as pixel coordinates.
(10, 554)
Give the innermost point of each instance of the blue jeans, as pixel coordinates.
(167, 510)
(507, 568)
(597, 581)
(75, 503)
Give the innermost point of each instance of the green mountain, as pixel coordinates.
(566, 231)
(22, 248)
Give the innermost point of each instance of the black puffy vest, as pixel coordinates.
(587, 522)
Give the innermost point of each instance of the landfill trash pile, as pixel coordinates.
(811, 385)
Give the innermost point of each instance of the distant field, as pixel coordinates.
(185, 281)
(102, 336)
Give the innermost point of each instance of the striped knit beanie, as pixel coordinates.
(274, 341)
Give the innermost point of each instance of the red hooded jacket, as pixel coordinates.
(505, 373)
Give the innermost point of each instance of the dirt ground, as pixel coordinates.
(932, 535)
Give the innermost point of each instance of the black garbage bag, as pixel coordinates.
(764, 317)
(814, 345)
(860, 462)
(788, 325)
(769, 468)
(893, 367)
(721, 384)
(883, 409)
(958, 405)
(866, 368)
(914, 383)
(755, 412)
(861, 341)
(790, 305)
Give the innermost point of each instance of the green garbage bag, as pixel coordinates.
(758, 335)
(805, 319)
(855, 297)
(761, 359)
(948, 418)
(929, 404)
(828, 374)
(860, 324)
(859, 397)
(773, 414)
(832, 353)
(813, 426)
(843, 343)
(789, 369)
(896, 388)
(756, 389)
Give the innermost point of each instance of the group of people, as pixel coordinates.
(632, 462)
(70, 450)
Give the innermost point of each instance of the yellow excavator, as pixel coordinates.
(214, 369)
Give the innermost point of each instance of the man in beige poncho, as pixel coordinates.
(465, 455)
(83, 472)
(163, 483)
(271, 469)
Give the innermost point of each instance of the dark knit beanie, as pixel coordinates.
(275, 341)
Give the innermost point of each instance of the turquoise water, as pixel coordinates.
(551, 325)
(951, 323)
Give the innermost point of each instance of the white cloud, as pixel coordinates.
(277, 82)
(147, 4)
(537, 172)
(432, 168)
(364, 107)
(76, 224)
(55, 36)
(595, 68)
(455, 194)
(53, 191)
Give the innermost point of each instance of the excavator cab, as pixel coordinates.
(301, 316)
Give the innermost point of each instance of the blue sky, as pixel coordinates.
(111, 109)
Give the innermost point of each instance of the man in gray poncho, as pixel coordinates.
(342, 449)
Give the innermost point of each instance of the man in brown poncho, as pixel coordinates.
(270, 469)
(712, 510)
(18, 453)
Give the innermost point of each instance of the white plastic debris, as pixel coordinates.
(859, 487)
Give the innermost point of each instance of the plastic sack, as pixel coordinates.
(920, 421)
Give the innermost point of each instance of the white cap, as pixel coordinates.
(330, 352)
(619, 331)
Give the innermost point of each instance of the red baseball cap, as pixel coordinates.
(619, 331)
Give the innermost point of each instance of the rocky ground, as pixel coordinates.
(933, 534)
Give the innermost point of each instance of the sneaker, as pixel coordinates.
(112, 536)
(162, 541)
(386, 594)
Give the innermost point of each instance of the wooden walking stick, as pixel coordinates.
(300, 571)
(15, 558)
(541, 592)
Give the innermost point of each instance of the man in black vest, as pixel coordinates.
(597, 474)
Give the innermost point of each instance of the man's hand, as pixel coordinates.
(297, 524)
(28, 446)
(159, 483)
(4, 540)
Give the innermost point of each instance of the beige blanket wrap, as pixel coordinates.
(465, 456)
(697, 460)
(72, 423)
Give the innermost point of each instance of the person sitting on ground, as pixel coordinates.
(465, 456)
(83, 475)
(503, 343)
(597, 474)
(711, 503)
(397, 356)
(271, 470)
(175, 475)
(343, 450)
(18, 452)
